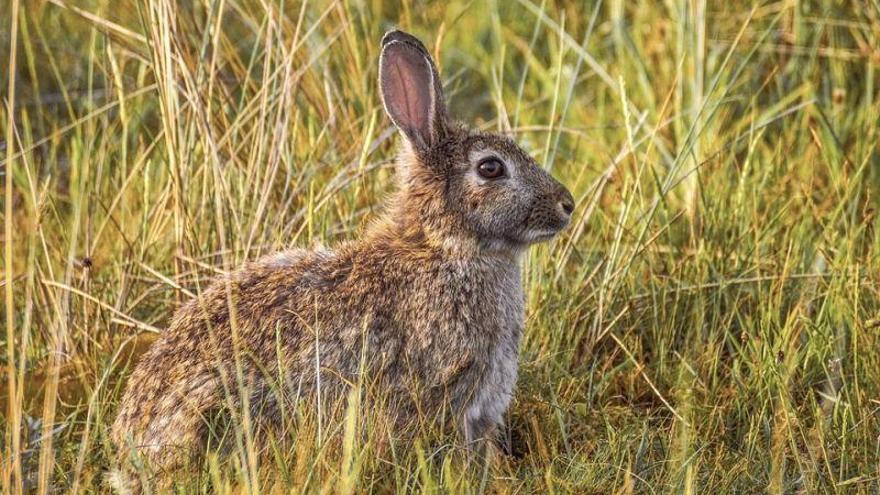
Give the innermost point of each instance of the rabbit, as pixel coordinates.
(428, 301)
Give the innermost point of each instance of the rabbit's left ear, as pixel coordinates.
(411, 89)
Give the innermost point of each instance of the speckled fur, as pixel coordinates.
(429, 300)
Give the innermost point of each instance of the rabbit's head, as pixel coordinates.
(459, 186)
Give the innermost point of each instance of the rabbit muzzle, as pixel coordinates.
(550, 214)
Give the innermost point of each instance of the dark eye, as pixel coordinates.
(490, 168)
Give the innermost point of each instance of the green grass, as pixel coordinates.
(709, 324)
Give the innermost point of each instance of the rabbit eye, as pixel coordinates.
(490, 168)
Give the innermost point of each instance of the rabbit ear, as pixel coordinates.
(411, 89)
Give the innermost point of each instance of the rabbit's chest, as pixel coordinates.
(495, 378)
(468, 339)
(494, 389)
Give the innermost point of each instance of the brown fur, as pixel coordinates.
(428, 301)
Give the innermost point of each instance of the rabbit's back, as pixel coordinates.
(446, 330)
(191, 371)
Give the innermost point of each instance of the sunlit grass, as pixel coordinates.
(710, 323)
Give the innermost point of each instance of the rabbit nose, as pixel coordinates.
(567, 206)
(566, 203)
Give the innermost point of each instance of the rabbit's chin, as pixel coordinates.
(540, 235)
(534, 236)
(522, 241)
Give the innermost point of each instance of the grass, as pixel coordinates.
(709, 324)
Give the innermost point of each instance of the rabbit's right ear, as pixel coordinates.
(411, 89)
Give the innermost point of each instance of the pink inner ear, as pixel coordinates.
(407, 88)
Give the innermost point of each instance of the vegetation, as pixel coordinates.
(710, 322)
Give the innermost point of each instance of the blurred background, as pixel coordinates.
(710, 322)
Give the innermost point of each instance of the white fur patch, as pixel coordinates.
(283, 259)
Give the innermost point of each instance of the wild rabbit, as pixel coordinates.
(428, 302)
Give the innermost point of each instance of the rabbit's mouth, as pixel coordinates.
(542, 226)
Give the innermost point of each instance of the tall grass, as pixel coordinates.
(710, 323)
